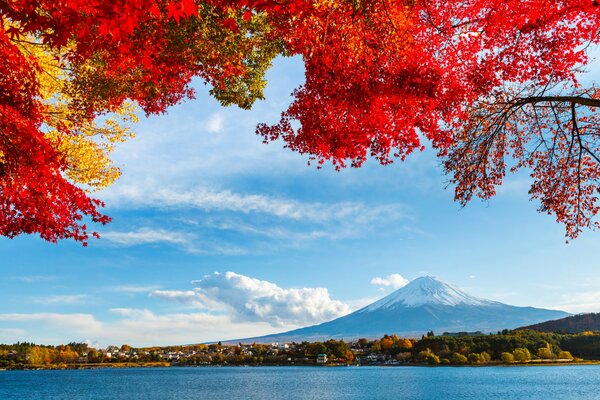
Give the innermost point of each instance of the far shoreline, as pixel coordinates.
(176, 366)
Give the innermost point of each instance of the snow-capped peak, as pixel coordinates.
(427, 290)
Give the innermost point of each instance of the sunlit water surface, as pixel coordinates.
(548, 383)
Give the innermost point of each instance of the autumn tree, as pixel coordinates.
(313, 349)
(71, 73)
(386, 344)
(551, 134)
(458, 359)
(521, 355)
(507, 357)
(40, 355)
(485, 357)
(405, 344)
(428, 356)
(482, 81)
(545, 353)
(565, 355)
(95, 356)
(474, 358)
(477, 80)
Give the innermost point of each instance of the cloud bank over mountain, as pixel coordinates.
(251, 299)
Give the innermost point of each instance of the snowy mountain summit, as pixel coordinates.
(427, 290)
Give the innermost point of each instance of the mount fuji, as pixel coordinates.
(425, 304)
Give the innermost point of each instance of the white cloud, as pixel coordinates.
(142, 325)
(215, 123)
(251, 299)
(134, 288)
(77, 322)
(35, 278)
(146, 236)
(255, 216)
(60, 299)
(11, 332)
(290, 236)
(224, 200)
(583, 302)
(187, 241)
(137, 327)
(191, 298)
(182, 296)
(394, 280)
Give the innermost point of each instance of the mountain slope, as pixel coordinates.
(574, 324)
(424, 304)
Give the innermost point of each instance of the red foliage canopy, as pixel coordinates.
(379, 73)
(134, 55)
(381, 76)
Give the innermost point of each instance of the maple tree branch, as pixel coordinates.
(576, 132)
(584, 101)
(26, 41)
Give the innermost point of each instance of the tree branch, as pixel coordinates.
(584, 101)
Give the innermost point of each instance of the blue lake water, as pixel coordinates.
(548, 383)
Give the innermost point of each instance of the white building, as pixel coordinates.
(321, 358)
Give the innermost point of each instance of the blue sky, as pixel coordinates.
(216, 235)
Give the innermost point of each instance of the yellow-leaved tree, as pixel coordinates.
(85, 141)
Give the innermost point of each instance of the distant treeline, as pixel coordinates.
(506, 347)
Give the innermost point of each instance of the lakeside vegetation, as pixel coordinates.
(522, 347)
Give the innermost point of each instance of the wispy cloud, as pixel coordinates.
(134, 288)
(195, 220)
(146, 327)
(77, 322)
(224, 200)
(183, 296)
(137, 327)
(186, 240)
(60, 299)
(394, 280)
(146, 236)
(290, 235)
(35, 278)
(582, 302)
(11, 332)
(251, 299)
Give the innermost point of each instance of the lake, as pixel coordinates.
(548, 383)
